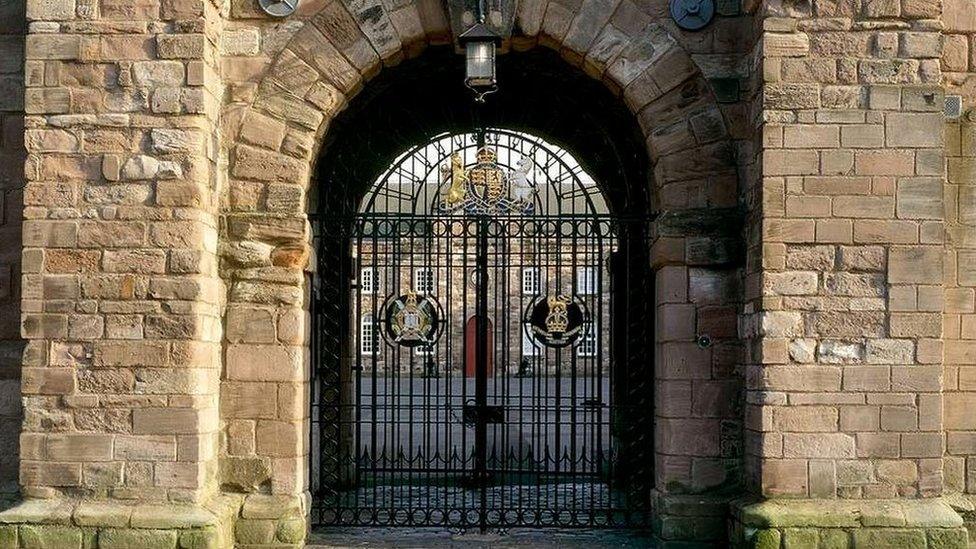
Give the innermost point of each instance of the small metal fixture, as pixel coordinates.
(692, 15)
(704, 341)
(480, 44)
(953, 107)
(278, 8)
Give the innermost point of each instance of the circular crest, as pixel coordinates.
(278, 8)
(556, 322)
(692, 15)
(412, 320)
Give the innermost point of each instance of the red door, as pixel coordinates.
(471, 347)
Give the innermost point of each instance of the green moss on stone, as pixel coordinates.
(889, 538)
(44, 536)
(948, 538)
(200, 538)
(291, 531)
(835, 538)
(8, 536)
(254, 532)
(141, 539)
(800, 538)
(766, 539)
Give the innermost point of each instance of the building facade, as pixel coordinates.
(809, 169)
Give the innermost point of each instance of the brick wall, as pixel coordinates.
(847, 401)
(12, 30)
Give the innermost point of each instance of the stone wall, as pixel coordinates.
(959, 66)
(170, 146)
(847, 400)
(121, 304)
(12, 31)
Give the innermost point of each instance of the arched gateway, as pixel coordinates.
(282, 272)
(533, 416)
(587, 190)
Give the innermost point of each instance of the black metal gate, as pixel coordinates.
(471, 365)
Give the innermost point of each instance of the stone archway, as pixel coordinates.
(272, 141)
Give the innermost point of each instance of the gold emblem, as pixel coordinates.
(409, 319)
(487, 175)
(486, 188)
(457, 178)
(557, 321)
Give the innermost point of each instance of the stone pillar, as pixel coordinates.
(121, 299)
(959, 66)
(845, 393)
(12, 28)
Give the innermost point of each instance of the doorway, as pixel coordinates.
(541, 415)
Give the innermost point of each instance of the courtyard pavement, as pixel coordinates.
(428, 538)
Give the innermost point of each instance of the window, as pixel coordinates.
(587, 344)
(530, 281)
(586, 281)
(367, 280)
(529, 345)
(423, 280)
(368, 335)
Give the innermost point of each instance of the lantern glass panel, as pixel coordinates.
(480, 64)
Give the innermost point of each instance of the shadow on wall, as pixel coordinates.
(12, 155)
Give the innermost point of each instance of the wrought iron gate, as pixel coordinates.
(474, 378)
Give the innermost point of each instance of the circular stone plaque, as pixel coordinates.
(278, 8)
(692, 15)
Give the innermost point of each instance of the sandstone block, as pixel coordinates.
(50, 536)
(144, 539)
(818, 445)
(913, 129)
(890, 351)
(915, 264)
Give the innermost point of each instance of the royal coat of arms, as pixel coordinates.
(485, 187)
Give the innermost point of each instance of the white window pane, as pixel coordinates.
(367, 281)
(586, 281)
(587, 345)
(368, 335)
(530, 281)
(423, 280)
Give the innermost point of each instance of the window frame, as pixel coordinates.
(417, 271)
(536, 281)
(368, 321)
(587, 280)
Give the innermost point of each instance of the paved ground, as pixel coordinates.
(418, 538)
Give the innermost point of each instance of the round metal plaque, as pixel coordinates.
(556, 321)
(412, 320)
(278, 8)
(692, 15)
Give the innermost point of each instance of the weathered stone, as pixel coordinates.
(140, 167)
(245, 474)
(144, 539)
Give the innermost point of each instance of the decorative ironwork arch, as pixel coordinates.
(535, 178)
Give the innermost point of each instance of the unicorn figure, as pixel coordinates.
(522, 189)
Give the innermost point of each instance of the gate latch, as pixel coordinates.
(488, 414)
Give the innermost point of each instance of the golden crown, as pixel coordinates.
(486, 155)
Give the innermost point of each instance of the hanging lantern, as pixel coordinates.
(480, 45)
